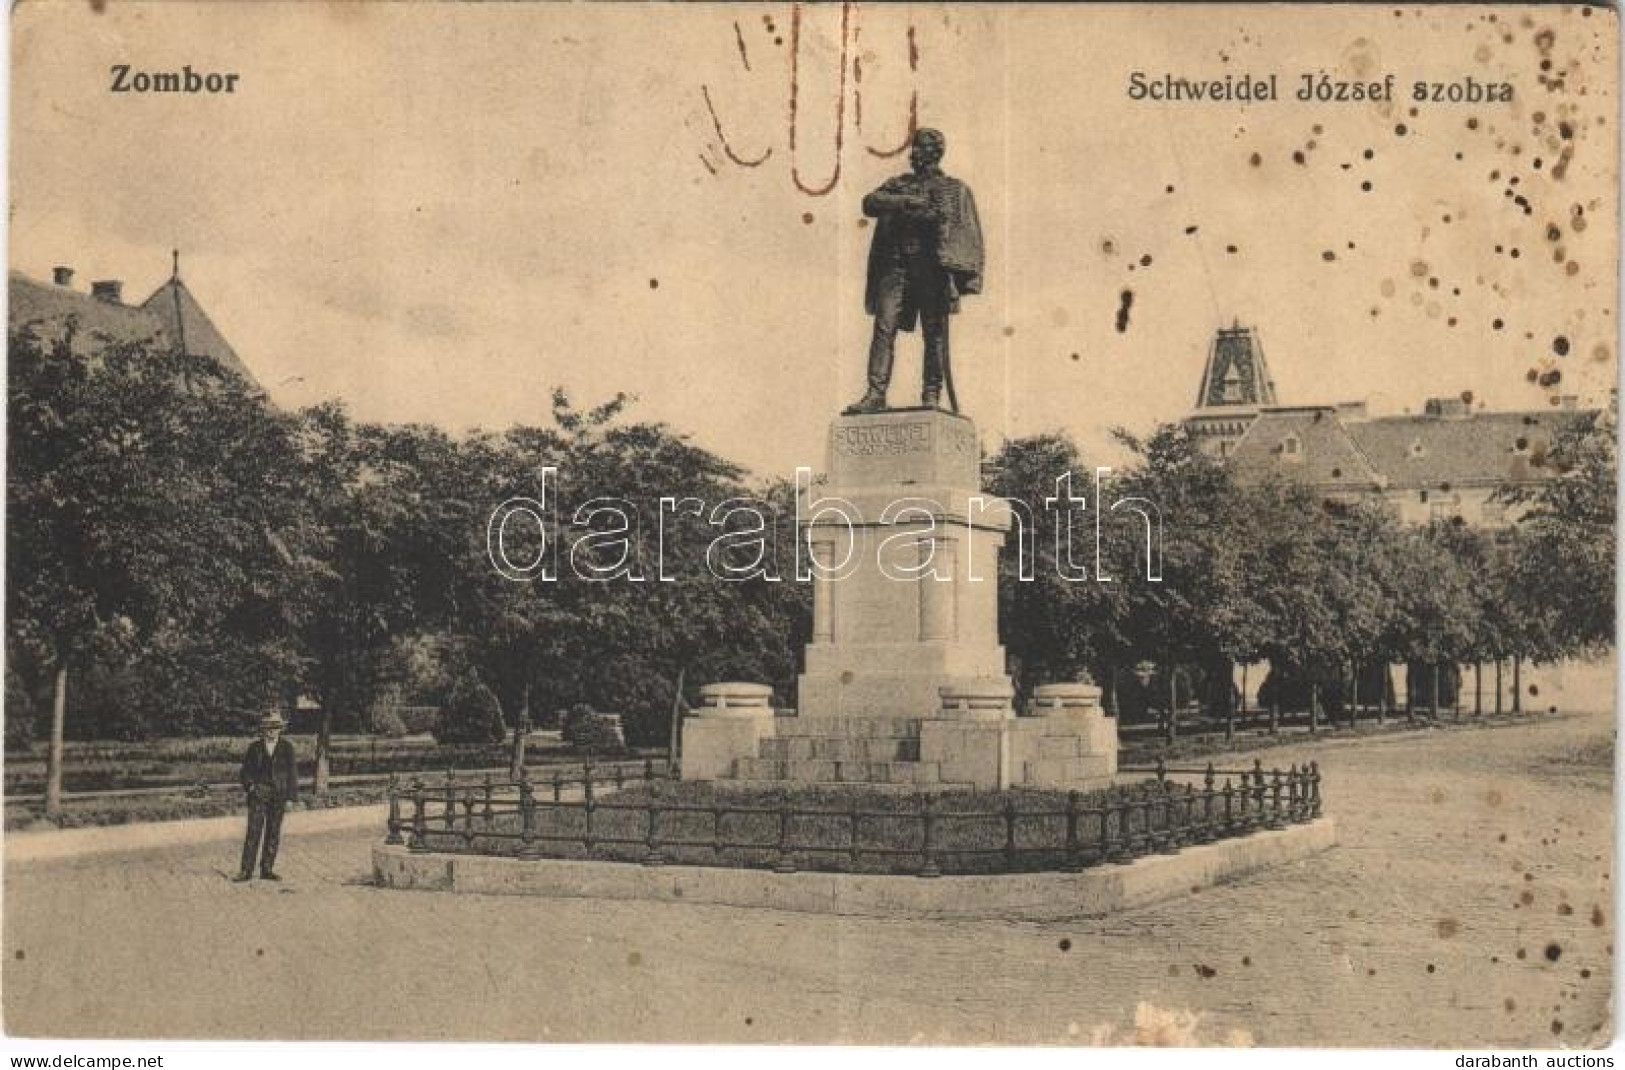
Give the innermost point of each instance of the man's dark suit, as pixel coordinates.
(272, 782)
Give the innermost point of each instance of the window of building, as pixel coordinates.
(1292, 448)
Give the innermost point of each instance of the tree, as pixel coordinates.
(146, 497)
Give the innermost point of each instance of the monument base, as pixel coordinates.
(975, 742)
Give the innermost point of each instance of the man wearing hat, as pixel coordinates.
(269, 777)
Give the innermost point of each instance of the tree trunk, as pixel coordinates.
(1517, 683)
(1354, 696)
(1382, 693)
(1244, 667)
(1314, 707)
(1410, 693)
(674, 744)
(1275, 716)
(1113, 710)
(1173, 706)
(1500, 688)
(1230, 699)
(324, 743)
(1478, 688)
(53, 757)
(521, 728)
(1433, 692)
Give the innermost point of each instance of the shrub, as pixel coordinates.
(471, 714)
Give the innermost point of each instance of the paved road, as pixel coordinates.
(1470, 905)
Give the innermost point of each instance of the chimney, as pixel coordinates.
(1446, 407)
(62, 276)
(109, 290)
(1352, 410)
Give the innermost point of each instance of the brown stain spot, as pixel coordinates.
(1125, 302)
(1432, 968)
(677, 891)
(1557, 1027)
(1522, 954)
(20, 955)
(1448, 927)
(1255, 159)
(1328, 256)
(1419, 269)
(1173, 971)
(862, 223)
(634, 958)
(1526, 897)
(807, 218)
(1597, 917)
(1437, 796)
(1206, 973)
(1564, 910)
(847, 677)
(1510, 1004)
(1065, 944)
(1246, 960)
(1554, 951)
(1009, 332)
(259, 952)
(654, 284)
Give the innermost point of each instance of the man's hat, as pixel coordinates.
(273, 719)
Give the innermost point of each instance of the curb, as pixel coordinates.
(1094, 892)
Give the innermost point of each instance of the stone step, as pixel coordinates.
(842, 748)
(819, 771)
(849, 727)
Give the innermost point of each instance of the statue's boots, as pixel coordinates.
(870, 402)
(931, 398)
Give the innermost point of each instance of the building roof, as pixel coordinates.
(1321, 447)
(168, 317)
(1308, 445)
(1481, 448)
(183, 318)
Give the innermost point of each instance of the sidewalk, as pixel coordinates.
(20, 848)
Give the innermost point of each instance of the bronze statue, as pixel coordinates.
(926, 252)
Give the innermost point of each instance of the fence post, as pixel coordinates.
(928, 845)
(394, 838)
(558, 785)
(785, 863)
(620, 777)
(1108, 849)
(716, 829)
(588, 804)
(1258, 799)
(1074, 854)
(651, 839)
(1314, 783)
(1167, 841)
(1229, 812)
(420, 817)
(1009, 833)
(451, 801)
(488, 800)
(855, 816)
(1162, 770)
(529, 849)
(648, 769)
(1276, 819)
(1207, 805)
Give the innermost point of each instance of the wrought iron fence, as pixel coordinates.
(928, 835)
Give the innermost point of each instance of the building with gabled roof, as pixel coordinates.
(1446, 462)
(170, 317)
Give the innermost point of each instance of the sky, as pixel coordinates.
(439, 213)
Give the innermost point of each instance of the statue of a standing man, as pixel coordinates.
(927, 250)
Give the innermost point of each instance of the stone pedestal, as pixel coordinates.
(904, 684)
(730, 724)
(908, 597)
